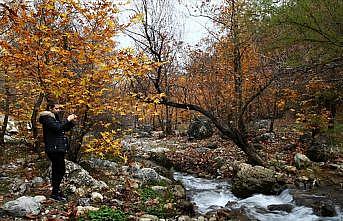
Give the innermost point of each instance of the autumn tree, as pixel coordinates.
(157, 36)
(231, 72)
(65, 50)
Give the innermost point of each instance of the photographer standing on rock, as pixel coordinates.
(56, 144)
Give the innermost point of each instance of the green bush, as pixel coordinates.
(106, 214)
(158, 209)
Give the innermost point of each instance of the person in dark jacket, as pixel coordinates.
(56, 144)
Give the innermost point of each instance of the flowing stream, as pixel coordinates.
(209, 195)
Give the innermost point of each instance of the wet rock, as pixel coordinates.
(321, 205)
(301, 161)
(24, 205)
(281, 207)
(186, 207)
(249, 180)
(200, 128)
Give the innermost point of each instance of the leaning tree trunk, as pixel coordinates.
(239, 138)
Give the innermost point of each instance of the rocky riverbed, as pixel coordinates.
(146, 188)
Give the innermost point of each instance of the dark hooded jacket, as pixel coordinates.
(53, 132)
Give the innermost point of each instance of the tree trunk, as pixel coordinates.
(78, 133)
(168, 125)
(7, 113)
(229, 131)
(34, 128)
(74, 153)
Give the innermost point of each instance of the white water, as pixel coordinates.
(209, 195)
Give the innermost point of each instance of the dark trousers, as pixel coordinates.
(58, 170)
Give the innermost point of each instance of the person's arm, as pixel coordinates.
(55, 125)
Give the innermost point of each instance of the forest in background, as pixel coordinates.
(276, 63)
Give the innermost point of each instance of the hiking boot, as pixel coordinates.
(58, 197)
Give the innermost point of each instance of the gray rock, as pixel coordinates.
(96, 197)
(301, 161)
(265, 137)
(24, 205)
(179, 192)
(79, 177)
(19, 187)
(37, 181)
(249, 180)
(262, 124)
(84, 201)
(148, 175)
(12, 127)
(202, 149)
(160, 189)
(147, 217)
(99, 163)
(281, 207)
(184, 218)
(81, 210)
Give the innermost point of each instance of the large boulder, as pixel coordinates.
(199, 129)
(249, 180)
(77, 176)
(24, 205)
(148, 175)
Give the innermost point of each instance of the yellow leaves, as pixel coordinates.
(137, 18)
(108, 144)
(281, 104)
(55, 49)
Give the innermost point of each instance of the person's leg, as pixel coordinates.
(58, 170)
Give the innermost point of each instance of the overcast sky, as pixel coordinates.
(194, 28)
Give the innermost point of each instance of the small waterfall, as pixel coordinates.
(209, 195)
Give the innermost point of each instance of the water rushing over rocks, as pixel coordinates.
(209, 195)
